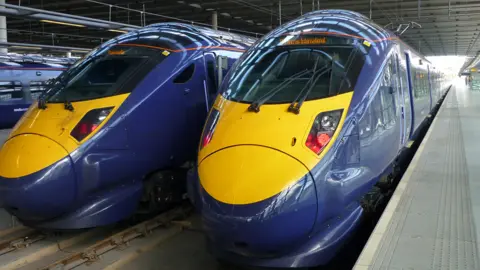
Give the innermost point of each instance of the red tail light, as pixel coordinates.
(322, 130)
(209, 128)
(89, 123)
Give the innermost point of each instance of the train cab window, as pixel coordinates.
(185, 75)
(113, 72)
(320, 71)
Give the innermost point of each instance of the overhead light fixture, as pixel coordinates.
(118, 31)
(79, 51)
(195, 5)
(225, 14)
(26, 47)
(63, 23)
(209, 9)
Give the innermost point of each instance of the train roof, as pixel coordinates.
(219, 34)
(341, 23)
(35, 59)
(181, 36)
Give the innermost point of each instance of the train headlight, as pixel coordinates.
(89, 123)
(322, 130)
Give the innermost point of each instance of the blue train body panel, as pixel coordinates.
(159, 108)
(306, 223)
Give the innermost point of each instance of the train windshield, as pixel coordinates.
(297, 65)
(116, 71)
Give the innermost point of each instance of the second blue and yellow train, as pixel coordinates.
(309, 122)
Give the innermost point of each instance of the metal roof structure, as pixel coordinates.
(433, 27)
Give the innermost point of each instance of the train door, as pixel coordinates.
(404, 99)
(401, 99)
(408, 93)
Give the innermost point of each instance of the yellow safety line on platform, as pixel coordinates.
(410, 143)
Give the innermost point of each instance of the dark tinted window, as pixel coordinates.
(185, 75)
(10, 89)
(328, 70)
(386, 90)
(117, 71)
(37, 88)
(420, 83)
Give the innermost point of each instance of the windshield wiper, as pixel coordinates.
(60, 83)
(68, 106)
(255, 106)
(42, 100)
(349, 62)
(295, 106)
(42, 103)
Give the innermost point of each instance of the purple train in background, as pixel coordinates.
(22, 79)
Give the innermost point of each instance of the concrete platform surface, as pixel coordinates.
(430, 221)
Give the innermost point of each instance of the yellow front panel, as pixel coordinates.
(28, 153)
(248, 174)
(273, 126)
(56, 123)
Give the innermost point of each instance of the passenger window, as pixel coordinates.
(185, 75)
(366, 123)
(386, 95)
(10, 89)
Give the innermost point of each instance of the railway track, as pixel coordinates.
(117, 247)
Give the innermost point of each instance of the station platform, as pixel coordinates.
(430, 220)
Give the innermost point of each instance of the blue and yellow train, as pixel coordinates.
(112, 134)
(309, 121)
(22, 79)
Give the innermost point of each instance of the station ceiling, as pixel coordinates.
(437, 27)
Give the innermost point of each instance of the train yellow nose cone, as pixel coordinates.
(247, 174)
(28, 153)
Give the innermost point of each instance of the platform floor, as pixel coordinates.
(430, 221)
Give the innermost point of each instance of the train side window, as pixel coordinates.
(10, 89)
(413, 76)
(185, 75)
(366, 124)
(386, 94)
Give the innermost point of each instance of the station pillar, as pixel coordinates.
(215, 20)
(3, 29)
(69, 54)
